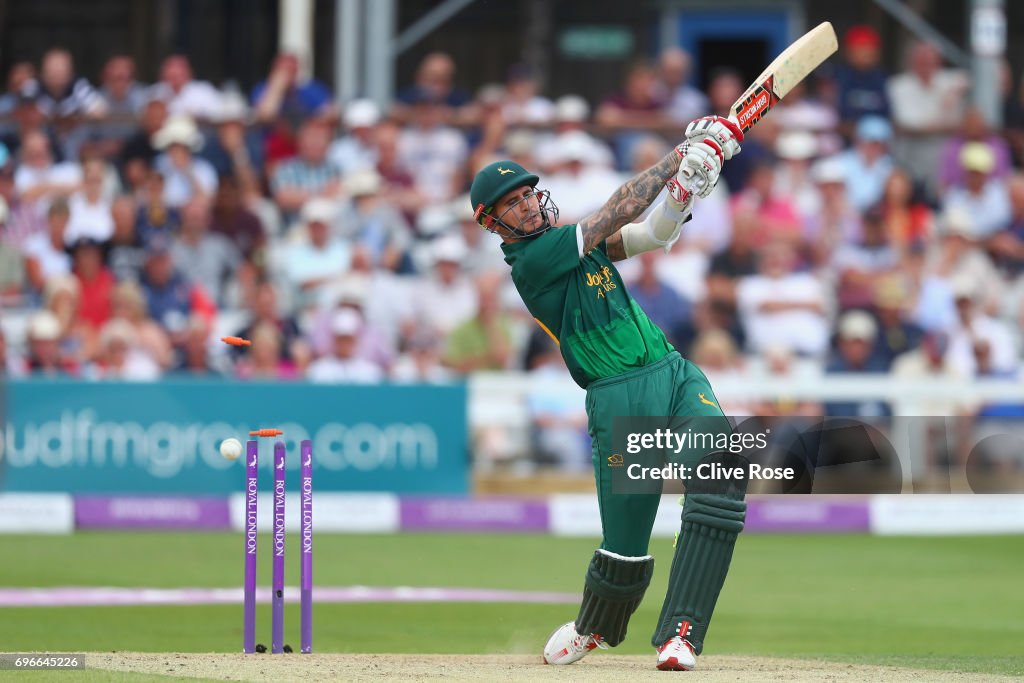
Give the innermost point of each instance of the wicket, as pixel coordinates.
(277, 644)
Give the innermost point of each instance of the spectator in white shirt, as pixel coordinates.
(974, 326)
(357, 150)
(521, 105)
(37, 176)
(186, 176)
(581, 187)
(432, 152)
(319, 259)
(45, 254)
(683, 101)
(983, 197)
(868, 165)
(571, 116)
(121, 357)
(927, 105)
(183, 94)
(90, 208)
(783, 308)
(450, 293)
(343, 365)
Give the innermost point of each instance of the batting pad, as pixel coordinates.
(711, 523)
(614, 586)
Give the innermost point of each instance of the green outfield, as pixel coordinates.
(916, 602)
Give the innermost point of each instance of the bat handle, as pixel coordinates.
(692, 184)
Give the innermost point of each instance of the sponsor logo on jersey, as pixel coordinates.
(705, 401)
(603, 279)
(615, 460)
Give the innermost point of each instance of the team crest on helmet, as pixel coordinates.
(505, 171)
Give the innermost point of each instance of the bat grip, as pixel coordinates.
(692, 184)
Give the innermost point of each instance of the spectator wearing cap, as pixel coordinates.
(572, 113)
(125, 252)
(484, 341)
(897, 334)
(983, 197)
(859, 266)
(170, 298)
(208, 259)
(447, 283)
(974, 129)
(289, 93)
(138, 152)
(860, 79)
(780, 307)
(44, 357)
(59, 94)
(433, 152)
(957, 257)
(186, 176)
(368, 220)
(120, 357)
(974, 325)
(90, 207)
(357, 292)
(96, 282)
(927, 105)
(796, 150)
(318, 257)
(234, 149)
(855, 354)
(435, 81)
(357, 149)
(521, 103)
(343, 365)
(868, 164)
(910, 220)
(184, 94)
(308, 176)
(837, 222)
(581, 188)
(683, 102)
(45, 253)
(37, 175)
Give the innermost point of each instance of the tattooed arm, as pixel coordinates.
(627, 202)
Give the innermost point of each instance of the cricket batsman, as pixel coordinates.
(568, 281)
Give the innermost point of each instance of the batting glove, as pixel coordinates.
(722, 130)
(699, 170)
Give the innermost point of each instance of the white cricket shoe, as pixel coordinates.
(565, 646)
(676, 655)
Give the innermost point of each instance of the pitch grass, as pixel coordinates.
(946, 603)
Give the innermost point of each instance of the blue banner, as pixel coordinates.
(164, 437)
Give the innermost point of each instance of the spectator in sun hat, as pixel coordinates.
(448, 282)
(186, 176)
(357, 149)
(837, 222)
(856, 343)
(44, 355)
(983, 197)
(975, 128)
(234, 148)
(371, 221)
(343, 364)
(572, 114)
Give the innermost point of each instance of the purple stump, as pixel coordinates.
(252, 488)
(277, 581)
(306, 566)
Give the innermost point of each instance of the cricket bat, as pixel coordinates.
(788, 69)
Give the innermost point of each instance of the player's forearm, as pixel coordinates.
(628, 202)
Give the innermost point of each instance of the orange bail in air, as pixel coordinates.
(266, 432)
(236, 341)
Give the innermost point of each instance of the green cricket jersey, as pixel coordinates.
(583, 305)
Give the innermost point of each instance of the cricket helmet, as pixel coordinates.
(496, 180)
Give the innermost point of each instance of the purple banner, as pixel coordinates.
(473, 514)
(803, 514)
(125, 512)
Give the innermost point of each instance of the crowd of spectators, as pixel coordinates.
(873, 223)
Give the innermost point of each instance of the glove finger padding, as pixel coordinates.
(701, 166)
(723, 130)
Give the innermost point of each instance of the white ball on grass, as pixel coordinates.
(231, 448)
